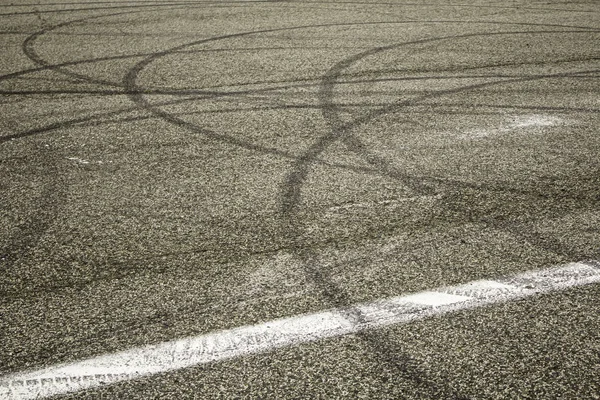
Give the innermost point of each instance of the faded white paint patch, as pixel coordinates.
(222, 345)
(526, 121)
(515, 124)
(82, 161)
(434, 299)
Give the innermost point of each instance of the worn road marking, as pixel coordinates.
(517, 123)
(222, 345)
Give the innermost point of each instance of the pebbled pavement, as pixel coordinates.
(175, 168)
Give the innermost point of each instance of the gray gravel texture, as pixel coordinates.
(172, 168)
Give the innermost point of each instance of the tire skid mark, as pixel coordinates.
(51, 200)
(253, 148)
(343, 131)
(129, 325)
(340, 131)
(217, 346)
(242, 3)
(29, 50)
(144, 4)
(291, 84)
(136, 92)
(186, 5)
(213, 94)
(123, 269)
(391, 354)
(44, 65)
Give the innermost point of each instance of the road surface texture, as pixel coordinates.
(180, 172)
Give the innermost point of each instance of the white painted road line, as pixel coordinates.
(217, 346)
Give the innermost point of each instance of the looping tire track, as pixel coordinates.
(29, 50)
(350, 141)
(292, 188)
(391, 356)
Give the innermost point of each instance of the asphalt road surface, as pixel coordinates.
(180, 171)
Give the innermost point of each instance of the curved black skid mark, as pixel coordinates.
(295, 179)
(343, 131)
(29, 50)
(136, 94)
(55, 187)
(340, 132)
(229, 4)
(302, 159)
(336, 295)
(194, 4)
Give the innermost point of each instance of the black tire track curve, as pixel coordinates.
(307, 159)
(55, 186)
(392, 355)
(54, 126)
(393, 358)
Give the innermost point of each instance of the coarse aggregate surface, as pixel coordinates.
(174, 168)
